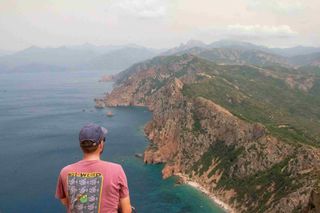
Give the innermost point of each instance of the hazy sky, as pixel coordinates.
(157, 23)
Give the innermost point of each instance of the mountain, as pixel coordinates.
(85, 56)
(115, 57)
(185, 47)
(285, 52)
(34, 68)
(62, 56)
(295, 51)
(235, 52)
(246, 133)
(95, 48)
(243, 56)
(233, 44)
(239, 56)
(103, 49)
(120, 59)
(306, 60)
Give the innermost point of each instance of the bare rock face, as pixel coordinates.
(153, 157)
(169, 170)
(99, 103)
(106, 78)
(238, 161)
(314, 202)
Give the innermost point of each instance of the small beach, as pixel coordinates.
(213, 197)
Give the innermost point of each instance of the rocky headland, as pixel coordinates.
(242, 163)
(106, 78)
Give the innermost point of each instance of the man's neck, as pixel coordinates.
(91, 157)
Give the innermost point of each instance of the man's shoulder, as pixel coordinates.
(113, 168)
(112, 165)
(68, 167)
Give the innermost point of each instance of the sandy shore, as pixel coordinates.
(214, 198)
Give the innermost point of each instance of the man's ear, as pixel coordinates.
(101, 144)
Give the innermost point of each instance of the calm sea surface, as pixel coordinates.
(40, 117)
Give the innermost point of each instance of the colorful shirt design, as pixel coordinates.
(84, 191)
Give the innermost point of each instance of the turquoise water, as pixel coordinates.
(40, 117)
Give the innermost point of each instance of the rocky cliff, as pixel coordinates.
(240, 161)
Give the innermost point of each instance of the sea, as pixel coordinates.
(41, 114)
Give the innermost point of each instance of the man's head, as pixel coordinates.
(91, 138)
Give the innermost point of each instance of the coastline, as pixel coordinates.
(213, 197)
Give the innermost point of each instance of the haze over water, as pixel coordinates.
(41, 114)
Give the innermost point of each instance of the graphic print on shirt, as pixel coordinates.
(84, 191)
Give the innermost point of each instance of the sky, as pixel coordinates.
(157, 23)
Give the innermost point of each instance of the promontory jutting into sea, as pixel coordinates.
(152, 106)
(238, 120)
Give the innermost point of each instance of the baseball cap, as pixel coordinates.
(92, 132)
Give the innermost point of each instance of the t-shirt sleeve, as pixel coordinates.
(60, 193)
(124, 190)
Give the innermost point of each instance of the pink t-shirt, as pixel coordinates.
(92, 186)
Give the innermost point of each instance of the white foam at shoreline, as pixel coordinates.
(215, 199)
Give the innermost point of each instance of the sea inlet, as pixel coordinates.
(41, 115)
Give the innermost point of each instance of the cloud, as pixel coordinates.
(262, 34)
(144, 9)
(281, 31)
(287, 7)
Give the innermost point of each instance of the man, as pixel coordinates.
(92, 185)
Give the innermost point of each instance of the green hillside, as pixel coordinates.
(286, 101)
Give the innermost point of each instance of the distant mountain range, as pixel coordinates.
(81, 57)
(235, 52)
(119, 57)
(286, 52)
(231, 44)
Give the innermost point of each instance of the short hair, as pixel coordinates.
(88, 146)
